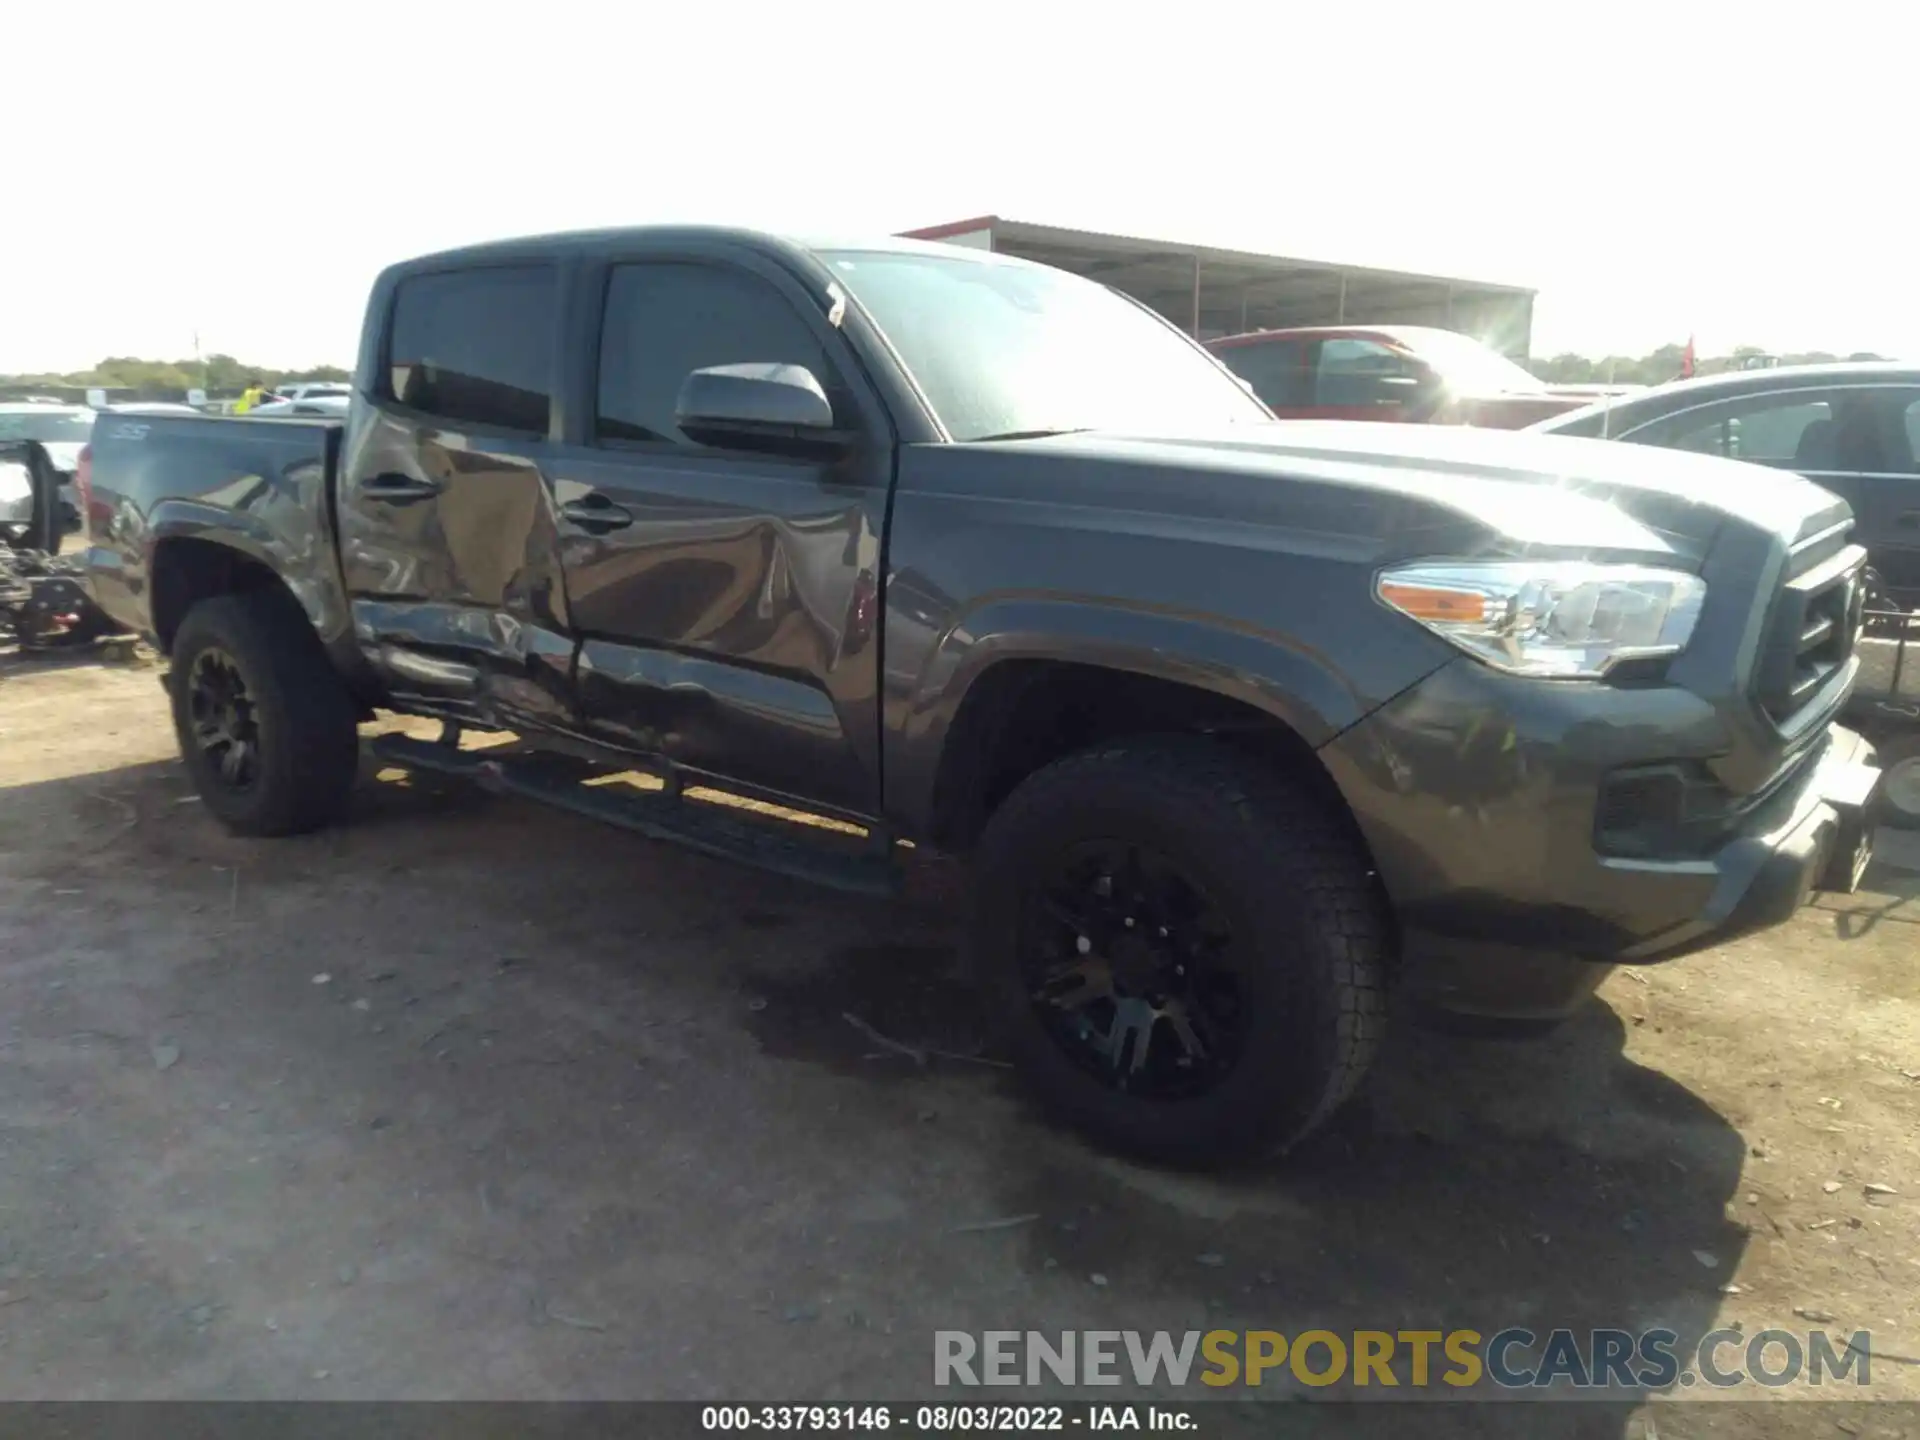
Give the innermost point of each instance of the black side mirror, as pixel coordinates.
(767, 406)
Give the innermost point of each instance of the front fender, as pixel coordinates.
(1286, 679)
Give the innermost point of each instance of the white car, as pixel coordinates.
(63, 430)
(313, 390)
(319, 407)
(153, 407)
(16, 499)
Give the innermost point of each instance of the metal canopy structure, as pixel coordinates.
(1213, 292)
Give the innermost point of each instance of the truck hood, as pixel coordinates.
(1413, 489)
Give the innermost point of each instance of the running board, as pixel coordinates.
(861, 865)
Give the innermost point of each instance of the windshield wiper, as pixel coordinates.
(1036, 434)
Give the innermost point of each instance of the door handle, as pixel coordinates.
(397, 489)
(594, 511)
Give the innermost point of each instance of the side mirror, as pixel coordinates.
(759, 405)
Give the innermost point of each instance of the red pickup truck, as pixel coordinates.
(1393, 372)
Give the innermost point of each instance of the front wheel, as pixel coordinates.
(1186, 949)
(265, 726)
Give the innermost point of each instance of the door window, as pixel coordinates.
(1357, 374)
(476, 346)
(1276, 369)
(1791, 431)
(1853, 430)
(665, 320)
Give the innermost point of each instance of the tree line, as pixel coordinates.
(216, 374)
(1663, 365)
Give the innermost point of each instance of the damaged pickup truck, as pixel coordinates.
(1236, 722)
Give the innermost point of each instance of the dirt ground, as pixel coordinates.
(471, 1099)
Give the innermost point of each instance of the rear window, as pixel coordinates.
(1277, 370)
(476, 346)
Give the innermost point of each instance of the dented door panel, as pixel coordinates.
(454, 575)
(730, 627)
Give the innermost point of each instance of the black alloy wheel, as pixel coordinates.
(1183, 947)
(1129, 962)
(266, 726)
(225, 718)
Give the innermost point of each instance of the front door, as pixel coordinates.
(448, 538)
(727, 601)
(1856, 440)
(1873, 469)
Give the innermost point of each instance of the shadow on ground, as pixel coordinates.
(588, 1117)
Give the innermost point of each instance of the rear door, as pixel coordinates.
(448, 536)
(727, 600)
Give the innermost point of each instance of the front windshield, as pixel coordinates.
(46, 426)
(1472, 368)
(1008, 349)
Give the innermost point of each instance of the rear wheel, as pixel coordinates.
(1900, 782)
(1186, 950)
(265, 726)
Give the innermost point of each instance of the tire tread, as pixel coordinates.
(310, 784)
(1305, 847)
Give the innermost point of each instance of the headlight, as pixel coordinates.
(1571, 619)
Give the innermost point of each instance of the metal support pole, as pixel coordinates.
(1340, 315)
(1243, 309)
(1196, 297)
(1449, 307)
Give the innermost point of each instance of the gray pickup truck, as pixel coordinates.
(1236, 722)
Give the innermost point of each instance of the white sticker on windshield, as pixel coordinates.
(837, 308)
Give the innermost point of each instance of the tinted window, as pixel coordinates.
(1277, 370)
(665, 321)
(1351, 372)
(1793, 429)
(1836, 430)
(476, 345)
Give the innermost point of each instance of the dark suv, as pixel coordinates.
(1853, 428)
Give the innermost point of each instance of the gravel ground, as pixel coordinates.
(470, 1099)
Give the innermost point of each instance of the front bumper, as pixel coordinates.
(1823, 843)
(1478, 795)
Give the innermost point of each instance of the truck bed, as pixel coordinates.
(264, 484)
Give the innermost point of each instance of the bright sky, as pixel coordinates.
(1740, 171)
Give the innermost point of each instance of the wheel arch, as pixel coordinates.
(1034, 680)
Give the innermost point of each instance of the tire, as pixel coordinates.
(1899, 803)
(304, 737)
(1305, 952)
